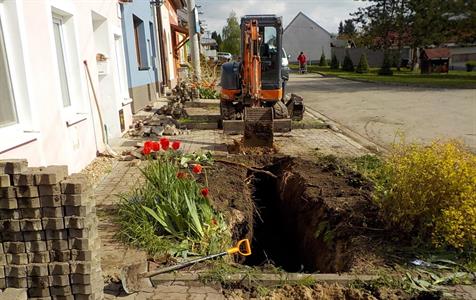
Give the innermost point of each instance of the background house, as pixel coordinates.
(140, 44)
(48, 112)
(304, 34)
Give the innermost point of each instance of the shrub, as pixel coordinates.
(386, 69)
(430, 193)
(348, 65)
(170, 213)
(323, 61)
(363, 66)
(334, 62)
(470, 65)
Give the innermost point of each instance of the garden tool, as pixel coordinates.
(134, 281)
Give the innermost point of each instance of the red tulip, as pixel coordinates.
(148, 144)
(197, 169)
(146, 150)
(155, 146)
(204, 192)
(164, 142)
(214, 222)
(176, 145)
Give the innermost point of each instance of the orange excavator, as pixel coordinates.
(252, 98)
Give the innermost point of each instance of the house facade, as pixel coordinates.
(63, 84)
(141, 50)
(304, 34)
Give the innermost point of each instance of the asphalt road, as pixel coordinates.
(379, 113)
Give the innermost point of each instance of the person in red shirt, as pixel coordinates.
(302, 62)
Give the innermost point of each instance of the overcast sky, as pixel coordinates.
(327, 13)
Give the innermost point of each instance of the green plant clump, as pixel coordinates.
(386, 69)
(470, 65)
(363, 66)
(335, 62)
(208, 93)
(323, 61)
(170, 213)
(348, 65)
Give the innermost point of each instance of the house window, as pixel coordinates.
(60, 55)
(8, 114)
(140, 44)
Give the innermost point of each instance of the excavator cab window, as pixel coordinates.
(269, 56)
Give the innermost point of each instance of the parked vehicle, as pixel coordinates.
(224, 56)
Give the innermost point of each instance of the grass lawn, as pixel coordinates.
(454, 79)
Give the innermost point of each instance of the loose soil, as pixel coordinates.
(301, 216)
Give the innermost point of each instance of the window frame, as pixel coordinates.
(4, 56)
(58, 20)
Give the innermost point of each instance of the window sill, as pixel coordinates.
(17, 140)
(144, 68)
(126, 101)
(73, 120)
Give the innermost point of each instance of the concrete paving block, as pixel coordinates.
(16, 271)
(30, 236)
(75, 222)
(80, 255)
(30, 213)
(8, 203)
(39, 292)
(38, 269)
(31, 225)
(35, 246)
(39, 257)
(50, 190)
(13, 166)
(56, 234)
(80, 267)
(28, 202)
(27, 191)
(78, 211)
(83, 289)
(3, 285)
(10, 225)
(80, 278)
(8, 192)
(51, 175)
(4, 180)
(51, 201)
(53, 223)
(52, 212)
(67, 297)
(38, 281)
(79, 244)
(12, 236)
(17, 258)
(14, 247)
(60, 255)
(25, 178)
(59, 280)
(79, 233)
(60, 290)
(75, 184)
(14, 294)
(16, 282)
(59, 268)
(6, 214)
(74, 199)
(3, 260)
(57, 245)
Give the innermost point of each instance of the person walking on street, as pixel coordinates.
(302, 62)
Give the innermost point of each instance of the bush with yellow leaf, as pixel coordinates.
(430, 192)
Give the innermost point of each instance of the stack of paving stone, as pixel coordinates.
(49, 239)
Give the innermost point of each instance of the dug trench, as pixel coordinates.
(300, 216)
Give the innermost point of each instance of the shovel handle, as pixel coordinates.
(242, 247)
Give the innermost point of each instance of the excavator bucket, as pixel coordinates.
(258, 127)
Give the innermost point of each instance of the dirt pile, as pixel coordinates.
(301, 216)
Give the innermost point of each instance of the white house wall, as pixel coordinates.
(48, 133)
(302, 34)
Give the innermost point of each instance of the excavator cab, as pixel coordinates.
(252, 99)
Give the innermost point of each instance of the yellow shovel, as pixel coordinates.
(133, 281)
